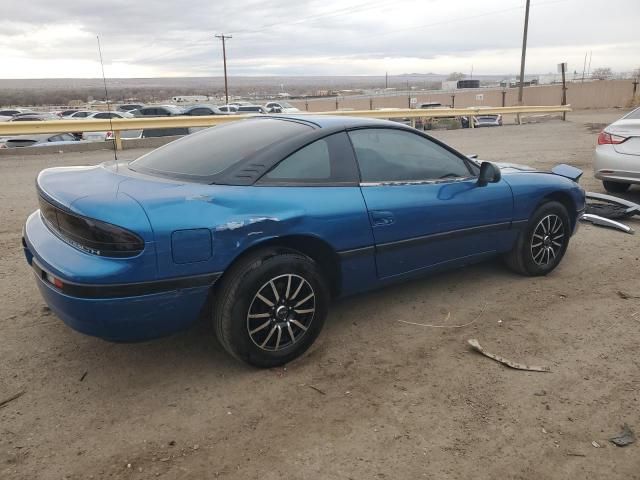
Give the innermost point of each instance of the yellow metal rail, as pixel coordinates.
(141, 123)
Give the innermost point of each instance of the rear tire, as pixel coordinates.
(615, 187)
(260, 314)
(543, 242)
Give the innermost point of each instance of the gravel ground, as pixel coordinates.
(374, 398)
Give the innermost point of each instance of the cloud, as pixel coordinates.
(280, 37)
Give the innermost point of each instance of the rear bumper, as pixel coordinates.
(616, 167)
(122, 312)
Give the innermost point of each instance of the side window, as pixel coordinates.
(386, 155)
(201, 111)
(325, 161)
(102, 115)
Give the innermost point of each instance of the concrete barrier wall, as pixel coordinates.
(598, 94)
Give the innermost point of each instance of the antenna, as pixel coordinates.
(106, 96)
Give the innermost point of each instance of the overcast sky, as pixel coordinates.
(149, 38)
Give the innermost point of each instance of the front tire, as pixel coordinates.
(615, 187)
(543, 242)
(271, 307)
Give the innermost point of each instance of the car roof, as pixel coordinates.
(338, 122)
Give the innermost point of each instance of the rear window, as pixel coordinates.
(635, 115)
(205, 154)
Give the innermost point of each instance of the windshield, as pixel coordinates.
(202, 155)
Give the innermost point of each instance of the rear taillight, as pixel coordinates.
(89, 235)
(606, 138)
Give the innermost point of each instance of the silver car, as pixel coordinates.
(617, 157)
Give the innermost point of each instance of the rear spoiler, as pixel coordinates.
(564, 170)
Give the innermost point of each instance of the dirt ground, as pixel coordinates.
(374, 398)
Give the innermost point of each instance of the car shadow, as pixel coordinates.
(196, 350)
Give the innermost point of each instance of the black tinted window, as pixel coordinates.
(309, 163)
(394, 155)
(209, 152)
(325, 161)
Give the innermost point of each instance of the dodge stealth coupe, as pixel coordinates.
(258, 224)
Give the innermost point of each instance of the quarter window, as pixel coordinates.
(309, 163)
(386, 155)
(327, 161)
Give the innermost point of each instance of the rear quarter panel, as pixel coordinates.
(240, 217)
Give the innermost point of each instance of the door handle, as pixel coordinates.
(381, 218)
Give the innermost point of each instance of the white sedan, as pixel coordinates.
(617, 157)
(102, 136)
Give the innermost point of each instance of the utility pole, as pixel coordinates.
(524, 52)
(223, 37)
(386, 80)
(563, 67)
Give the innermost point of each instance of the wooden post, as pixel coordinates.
(371, 103)
(117, 140)
(564, 90)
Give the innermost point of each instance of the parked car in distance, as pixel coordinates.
(108, 115)
(102, 136)
(32, 117)
(201, 110)
(258, 224)
(228, 109)
(157, 111)
(66, 113)
(617, 155)
(128, 107)
(251, 109)
(482, 120)
(428, 105)
(10, 112)
(81, 114)
(280, 107)
(38, 140)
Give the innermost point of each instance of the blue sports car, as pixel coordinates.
(259, 223)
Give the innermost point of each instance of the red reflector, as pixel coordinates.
(54, 280)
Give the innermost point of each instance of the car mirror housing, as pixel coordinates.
(489, 173)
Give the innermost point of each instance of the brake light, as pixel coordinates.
(89, 235)
(606, 138)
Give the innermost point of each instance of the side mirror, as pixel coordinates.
(489, 173)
